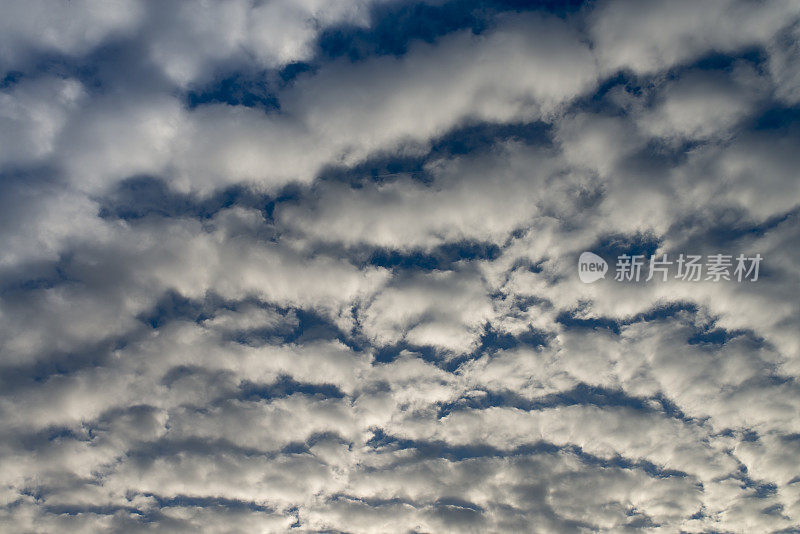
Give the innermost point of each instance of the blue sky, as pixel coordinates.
(272, 266)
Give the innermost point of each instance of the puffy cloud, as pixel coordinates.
(74, 28)
(650, 36)
(353, 306)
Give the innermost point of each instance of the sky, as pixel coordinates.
(318, 266)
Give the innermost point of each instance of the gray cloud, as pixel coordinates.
(356, 309)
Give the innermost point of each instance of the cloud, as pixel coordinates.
(312, 265)
(650, 36)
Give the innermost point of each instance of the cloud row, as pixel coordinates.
(247, 284)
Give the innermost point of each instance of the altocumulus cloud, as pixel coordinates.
(312, 265)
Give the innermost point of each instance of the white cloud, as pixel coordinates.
(650, 36)
(222, 354)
